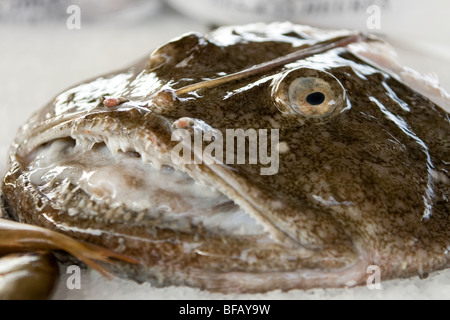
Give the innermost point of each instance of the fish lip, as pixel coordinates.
(99, 124)
(349, 276)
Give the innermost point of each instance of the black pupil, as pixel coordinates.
(315, 98)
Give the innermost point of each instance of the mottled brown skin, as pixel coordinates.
(374, 160)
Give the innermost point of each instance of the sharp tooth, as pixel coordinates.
(141, 216)
(73, 212)
(127, 217)
(148, 145)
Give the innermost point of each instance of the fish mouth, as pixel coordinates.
(119, 170)
(95, 179)
(83, 150)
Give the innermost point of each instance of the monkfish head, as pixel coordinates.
(254, 158)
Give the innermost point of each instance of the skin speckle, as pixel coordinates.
(165, 98)
(111, 102)
(184, 123)
(283, 148)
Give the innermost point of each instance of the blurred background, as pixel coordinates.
(47, 46)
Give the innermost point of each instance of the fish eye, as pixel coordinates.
(311, 97)
(310, 93)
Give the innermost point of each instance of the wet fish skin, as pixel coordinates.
(367, 186)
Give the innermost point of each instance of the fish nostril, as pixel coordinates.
(316, 98)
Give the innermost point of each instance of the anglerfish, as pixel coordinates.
(344, 163)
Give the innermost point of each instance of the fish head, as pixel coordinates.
(343, 166)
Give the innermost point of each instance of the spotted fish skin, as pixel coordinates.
(366, 184)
